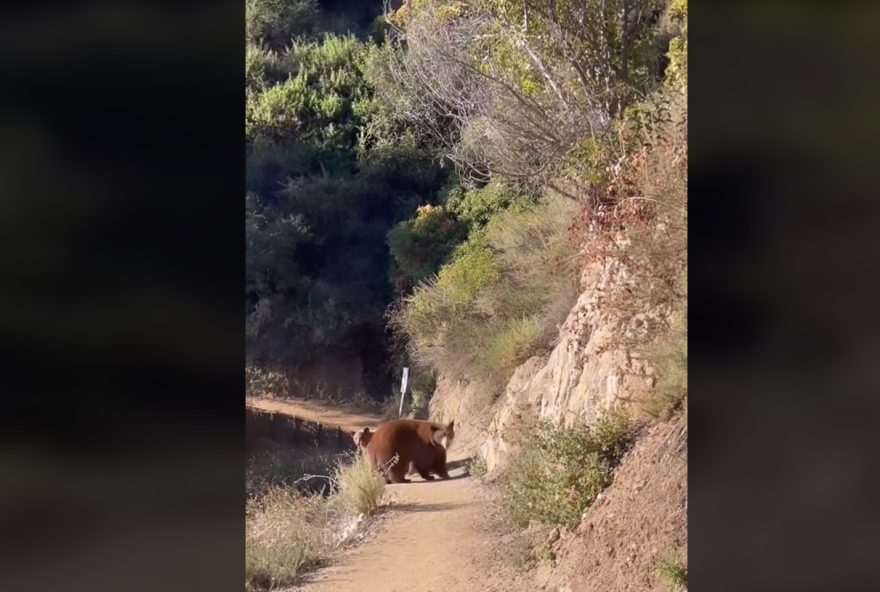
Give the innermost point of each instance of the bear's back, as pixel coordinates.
(410, 439)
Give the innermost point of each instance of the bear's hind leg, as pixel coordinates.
(397, 473)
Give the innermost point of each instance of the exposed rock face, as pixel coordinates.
(584, 374)
(642, 516)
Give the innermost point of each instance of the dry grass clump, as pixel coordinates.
(289, 532)
(286, 534)
(359, 487)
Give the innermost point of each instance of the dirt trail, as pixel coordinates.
(436, 536)
(347, 419)
(431, 536)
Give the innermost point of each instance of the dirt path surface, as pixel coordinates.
(347, 419)
(430, 536)
(435, 537)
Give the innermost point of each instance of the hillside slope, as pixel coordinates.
(638, 520)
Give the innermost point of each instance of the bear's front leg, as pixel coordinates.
(439, 467)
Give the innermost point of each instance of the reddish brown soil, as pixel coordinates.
(639, 518)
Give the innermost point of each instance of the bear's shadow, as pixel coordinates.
(457, 464)
(450, 466)
(416, 507)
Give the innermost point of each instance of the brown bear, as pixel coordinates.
(361, 437)
(419, 445)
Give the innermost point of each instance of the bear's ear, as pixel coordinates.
(451, 424)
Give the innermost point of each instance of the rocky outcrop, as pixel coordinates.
(586, 372)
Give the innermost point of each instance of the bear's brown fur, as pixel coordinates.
(361, 437)
(419, 445)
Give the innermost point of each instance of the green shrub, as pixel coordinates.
(677, 70)
(418, 403)
(673, 570)
(262, 67)
(473, 270)
(359, 488)
(558, 472)
(477, 466)
(419, 246)
(275, 22)
(499, 299)
(307, 93)
(476, 207)
(279, 110)
(264, 381)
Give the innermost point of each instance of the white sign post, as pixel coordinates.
(403, 390)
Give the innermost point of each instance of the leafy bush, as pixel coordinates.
(359, 487)
(314, 200)
(315, 101)
(558, 472)
(499, 299)
(418, 403)
(419, 246)
(262, 68)
(673, 570)
(262, 381)
(676, 71)
(477, 206)
(276, 22)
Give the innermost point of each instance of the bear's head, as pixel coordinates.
(361, 437)
(443, 437)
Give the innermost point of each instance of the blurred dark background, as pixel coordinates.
(121, 311)
(784, 341)
(123, 265)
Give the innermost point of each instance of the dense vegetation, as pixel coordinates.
(559, 472)
(423, 188)
(420, 184)
(322, 189)
(566, 126)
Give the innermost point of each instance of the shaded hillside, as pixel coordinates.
(322, 193)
